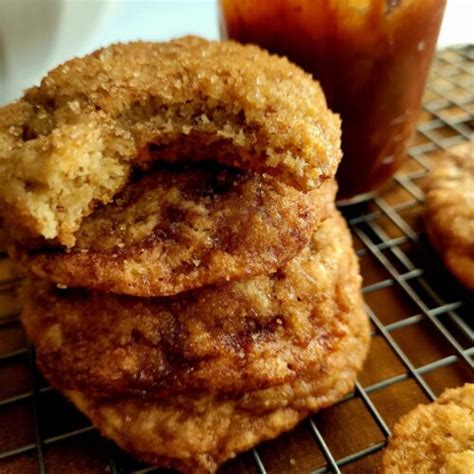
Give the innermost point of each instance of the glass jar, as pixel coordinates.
(372, 59)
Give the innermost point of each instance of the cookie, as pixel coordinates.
(228, 339)
(183, 227)
(73, 142)
(435, 438)
(449, 212)
(195, 434)
(3, 238)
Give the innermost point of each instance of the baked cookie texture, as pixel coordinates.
(197, 434)
(195, 178)
(187, 382)
(435, 438)
(72, 142)
(228, 340)
(449, 212)
(183, 227)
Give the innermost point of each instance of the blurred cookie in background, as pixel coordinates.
(449, 211)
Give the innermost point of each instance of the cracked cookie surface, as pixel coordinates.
(71, 143)
(228, 339)
(182, 227)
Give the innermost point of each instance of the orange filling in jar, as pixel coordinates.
(372, 59)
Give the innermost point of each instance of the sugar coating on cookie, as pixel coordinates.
(435, 438)
(71, 142)
(449, 211)
(182, 227)
(228, 339)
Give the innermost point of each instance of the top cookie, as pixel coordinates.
(71, 142)
(450, 211)
(438, 437)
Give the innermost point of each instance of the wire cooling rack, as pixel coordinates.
(421, 319)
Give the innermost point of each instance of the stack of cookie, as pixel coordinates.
(191, 288)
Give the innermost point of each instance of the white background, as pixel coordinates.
(35, 35)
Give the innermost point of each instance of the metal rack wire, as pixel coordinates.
(422, 338)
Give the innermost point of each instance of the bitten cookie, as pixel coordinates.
(72, 142)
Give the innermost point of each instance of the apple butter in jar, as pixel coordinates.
(372, 59)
